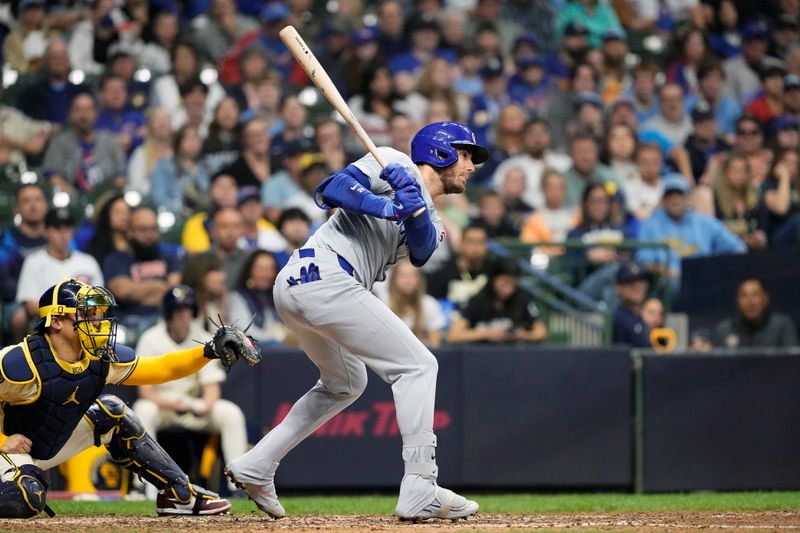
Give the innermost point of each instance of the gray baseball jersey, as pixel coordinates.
(372, 244)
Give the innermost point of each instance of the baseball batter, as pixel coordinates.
(323, 295)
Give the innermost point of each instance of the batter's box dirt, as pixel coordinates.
(668, 521)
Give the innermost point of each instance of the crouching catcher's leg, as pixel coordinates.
(131, 447)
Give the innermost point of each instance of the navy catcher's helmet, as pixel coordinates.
(59, 300)
(179, 296)
(437, 144)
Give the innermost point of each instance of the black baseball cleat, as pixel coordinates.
(202, 502)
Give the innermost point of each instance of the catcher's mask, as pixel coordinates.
(95, 315)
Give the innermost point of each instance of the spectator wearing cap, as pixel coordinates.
(535, 158)
(687, 233)
(741, 72)
(787, 132)
(754, 323)
(615, 76)
(780, 197)
(586, 168)
(274, 17)
(791, 94)
(769, 104)
(622, 112)
(486, 106)
(598, 17)
(56, 261)
(24, 47)
(562, 111)
(216, 32)
(629, 327)
(704, 142)
(530, 86)
(253, 167)
(50, 97)
(672, 122)
(500, 312)
(711, 94)
(748, 142)
(571, 51)
(785, 35)
(81, 157)
(364, 50)
(257, 232)
(123, 64)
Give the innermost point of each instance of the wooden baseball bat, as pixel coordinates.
(303, 54)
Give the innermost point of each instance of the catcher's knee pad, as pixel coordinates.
(23, 494)
(131, 447)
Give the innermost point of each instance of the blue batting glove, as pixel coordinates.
(407, 201)
(398, 177)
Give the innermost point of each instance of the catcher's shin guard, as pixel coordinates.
(132, 448)
(23, 493)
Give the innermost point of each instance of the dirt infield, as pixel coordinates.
(671, 521)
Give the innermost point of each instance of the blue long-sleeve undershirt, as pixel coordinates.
(349, 189)
(420, 238)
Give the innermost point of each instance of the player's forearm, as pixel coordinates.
(167, 367)
(420, 237)
(345, 191)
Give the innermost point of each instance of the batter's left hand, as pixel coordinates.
(398, 177)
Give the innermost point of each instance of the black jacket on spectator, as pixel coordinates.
(775, 329)
(40, 102)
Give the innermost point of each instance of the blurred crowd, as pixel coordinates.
(192, 143)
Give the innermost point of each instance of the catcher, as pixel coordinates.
(52, 406)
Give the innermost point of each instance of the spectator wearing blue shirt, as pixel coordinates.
(704, 142)
(631, 287)
(530, 87)
(425, 39)
(16, 243)
(643, 91)
(711, 85)
(688, 234)
(486, 107)
(139, 277)
(49, 98)
(127, 125)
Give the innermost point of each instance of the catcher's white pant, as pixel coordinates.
(343, 329)
(82, 437)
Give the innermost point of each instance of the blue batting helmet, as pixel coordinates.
(179, 296)
(437, 144)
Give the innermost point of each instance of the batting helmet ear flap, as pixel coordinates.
(437, 145)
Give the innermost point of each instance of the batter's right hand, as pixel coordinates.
(16, 444)
(406, 202)
(398, 177)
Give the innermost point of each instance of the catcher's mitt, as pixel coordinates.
(229, 344)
